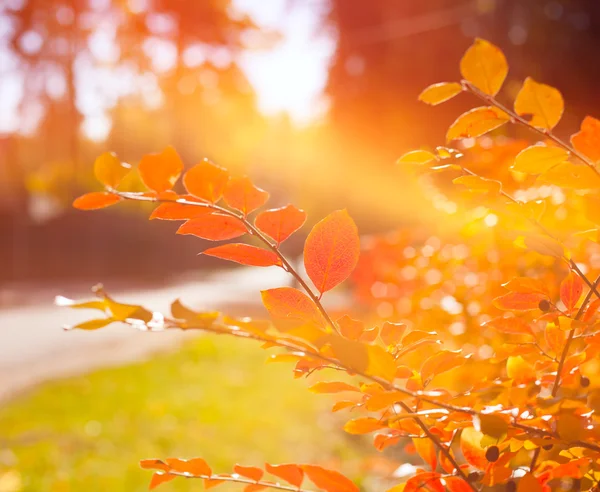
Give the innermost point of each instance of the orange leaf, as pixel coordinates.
(518, 301)
(160, 172)
(178, 211)
(154, 464)
(332, 387)
(244, 254)
(291, 308)
(571, 289)
(243, 195)
(510, 325)
(476, 122)
(426, 481)
(591, 310)
(426, 450)
(214, 227)
(280, 223)
(528, 483)
(438, 363)
(331, 250)
(485, 66)
(439, 93)
(329, 480)
(457, 484)
(470, 446)
(206, 181)
(384, 399)
(159, 478)
(195, 466)
(291, 473)
(526, 285)
(96, 200)
(587, 140)
(109, 169)
(391, 333)
(350, 328)
(251, 472)
(364, 425)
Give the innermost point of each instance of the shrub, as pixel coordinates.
(479, 352)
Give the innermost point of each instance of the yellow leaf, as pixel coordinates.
(538, 159)
(544, 104)
(476, 122)
(416, 157)
(109, 169)
(519, 369)
(477, 184)
(363, 425)
(439, 93)
(569, 175)
(485, 66)
(381, 363)
(544, 245)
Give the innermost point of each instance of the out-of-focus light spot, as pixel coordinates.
(209, 79)
(99, 4)
(65, 15)
(434, 242)
(471, 279)
(31, 42)
(162, 53)
(486, 142)
(93, 428)
(409, 272)
(485, 352)
(553, 10)
(457, 328)
(354, 65)
(583, 267)
(427, 250)
(517, 35)
(561, 213)
(467, 143)
(56, 85)
(421, 262)
(426, 303)
(486, 6)
(378, 290)
(96, 127)
(409, 252)
(451, 305)
(211, 97)
(137, 6)
(433, 276)
(187, 85)
(580, 20)
(404, 305)
(161, 24)
(473, 308)
(460, 251)
(194, 55)
(14, 4)
(469, 27)
(557, 197)
(60, 46)
(31, 115)
(385, 310)
(220, 57)
(102, 45)
(491, 220)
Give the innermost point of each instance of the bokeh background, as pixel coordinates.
(314, 99)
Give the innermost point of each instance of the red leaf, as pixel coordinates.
(571, 289)
(587, 140)
(518, 301)
(350, 328)
(96, 200)
(280, 223)
(214, 227)
(178, 211)
(243, 195)
(470, 446)
(159, 478)
(244, 254)
(250, 472)
(206, 181)
(329, 480)
(291, 308)
(510, 325)
(457, 484)
(159, 172)
(427, 481)
(292, 474)
(331, 250)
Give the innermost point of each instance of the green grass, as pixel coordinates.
(215, 398)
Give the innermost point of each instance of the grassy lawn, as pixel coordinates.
(216, 398)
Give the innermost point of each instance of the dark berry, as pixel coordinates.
(474, 477)
(511, 486)
(547, 447)
(544, 305)
(492, 454)
(584, 381)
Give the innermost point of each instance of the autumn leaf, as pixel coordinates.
(470, 446)
(519, 369)
(571, 289)
(476, 122)
(331, 250)
(427, 451)
(528, 483)
(477, 184)
(391, 333)
(587, 140)
(244, 254)
(538, 159)
(485, 66)
(290, 308)
(526, 284)
(159, 172)
(512, 325)
(206, 181)
(540, 101)
(195, 466)
(329, 480)
(544, 245)
(439, 93)
(241, 194)
(109, 169)
(280, 223)
(178, 211)
(291, 473)
(331, 387)
(214, 227)
(364, 425)
(439, 363)
(350, 328)
(417, 157)
(569, 175)
(251, 472)
(96, 200)
(518, 301)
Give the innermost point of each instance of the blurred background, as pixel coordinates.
(294, 93)
(314, 99)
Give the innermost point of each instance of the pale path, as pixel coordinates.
(35, 348)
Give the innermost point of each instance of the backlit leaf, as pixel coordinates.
(427, 451)
(391, 333)
(350, 328)
(417, 157)
(540, 101)
(426, 481)
(291, 473)
(493, 425)
(476, 122)
(571, 289)
(485, 66)
(439, 363)
(214, 227)
(251, 472)
(178, 211)
(329, 480)
(363, 425)
(526, 284)
(528, 483)
(544, 245)
(470, 446)
(518, 301)
(280, 223)
(193, 319)
(243, 195)
(569, 175)
(381, 363)
(195, 466)
(93, 324)
(331, 250)
(331, 387)
(477, 184)
(159, 172)
(159, 478)
(244, 254)
(96, 200)
(519, 369)
(587, 140)
(439, 93)
(457, 484)
(109, 169)
(206, 181)
(538, 159)
(511, 325)
(290, 308)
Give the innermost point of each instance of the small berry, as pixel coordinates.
(511, 486)
(474, 477)
(544, 305)
(584, 381)
(492, 454)
(547, 447)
